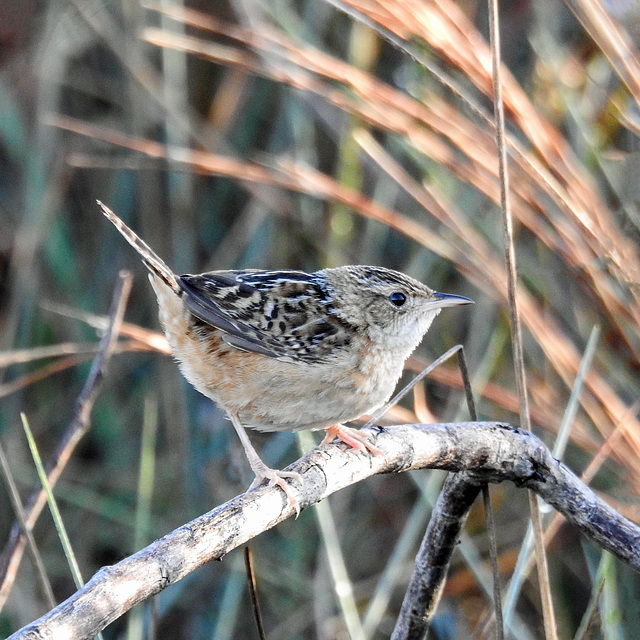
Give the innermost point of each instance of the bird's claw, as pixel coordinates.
(354, 438)
(274, 477)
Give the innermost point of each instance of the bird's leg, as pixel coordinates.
(354, 438)
(260, 469)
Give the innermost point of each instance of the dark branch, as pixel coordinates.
(447, 519)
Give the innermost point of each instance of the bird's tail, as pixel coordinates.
(148, 255)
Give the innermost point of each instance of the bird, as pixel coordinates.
(289, 350)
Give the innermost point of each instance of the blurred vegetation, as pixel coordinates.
(292, 135)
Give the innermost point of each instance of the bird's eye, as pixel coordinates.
(397, 298)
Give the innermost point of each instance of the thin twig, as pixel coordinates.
(493, 553)
(488, 508)
(410, 385)
(41, 373)
(505, 202)
(32, 548)
(253, 588)
(516, 328)
(12, 554)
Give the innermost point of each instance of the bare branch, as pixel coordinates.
(448, 518)
(488, 451)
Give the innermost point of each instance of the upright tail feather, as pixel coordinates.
(148, 255)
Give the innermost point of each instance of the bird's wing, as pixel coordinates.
(282, 314)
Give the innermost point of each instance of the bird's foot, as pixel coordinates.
(277, 478)
(353, 438)
(260, 469)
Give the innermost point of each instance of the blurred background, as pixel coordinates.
(307, 134)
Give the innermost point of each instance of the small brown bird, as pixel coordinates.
(288, 350)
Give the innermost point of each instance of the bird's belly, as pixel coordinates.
(269, 394)
(273, 395)
(301, 396)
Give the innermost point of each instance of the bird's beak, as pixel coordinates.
(449, 300)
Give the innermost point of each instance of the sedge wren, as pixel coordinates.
(288, 350)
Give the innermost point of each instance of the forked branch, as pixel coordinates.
(487, 451)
